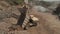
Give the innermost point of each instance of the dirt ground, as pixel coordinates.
(48, 24)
